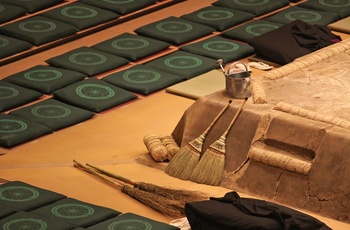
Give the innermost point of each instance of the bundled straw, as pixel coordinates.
(211, 166)
(186, 159)
(172, 208)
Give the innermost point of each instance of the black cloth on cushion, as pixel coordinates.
(131, 46)
(25, 197)
(53, 114)
(80, 15)
(45, 79)
(184, 64)
(120, 6)
(174, 30)
(251, 29)
(132, 221)
(218, 47)
(10, 12)
(87, 60)
(38, 30)
(76, 212)
(28, 220)
(219, 18)
(10, 46)
(12, 96)
(256, 7)
(339, 7)
(33, 5)
(142, 79)
(234, 212)
(307, 15)
(94, 95)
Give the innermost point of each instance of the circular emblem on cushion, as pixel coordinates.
(119, 1)
(72, 211)
(42, 75)
(220, 46)
(25, 223)
(87, 58)
(183, 62)
(2, 8)
(141, 76)
(260, 29)
(335, 3)
(51, 111)
(215, 15)
(12, 126)
(305, 16)
(94, 91)
(78, 12)
(8, 92)
(37, 26)
(17, 193)
(251, 2)
(131, 224)
(130, 43)
(174, 27)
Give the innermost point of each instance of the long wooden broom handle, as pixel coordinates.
(115, 176)
(217, 118)
(235, 117)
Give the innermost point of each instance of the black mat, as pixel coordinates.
(339, 7)
(10, 46)
(32, 6)
(10, 12)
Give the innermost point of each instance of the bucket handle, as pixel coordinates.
(234, 64)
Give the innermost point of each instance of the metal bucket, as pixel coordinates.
(238, 83)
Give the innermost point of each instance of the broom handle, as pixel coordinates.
(115, 176)
(217, 117)
(234, 118)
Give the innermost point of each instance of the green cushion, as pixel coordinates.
(131, 46)
(53, 114)
(251, 29)
(257, 7)
(28, 220)
(94, 95)
(87, 60)
(174, 30)
(6, 211)
(10, 46)
(77, 213)
(33, 5)
(120, 6)
(45, 79)
(132, 221)
(10, 12)
(219, 18)
(12, 96)
(80, 15)
(339, 7)
(25, 197)
(38, 30)
(307, 15)
(142, 79)
(184, 64)
(218, 47)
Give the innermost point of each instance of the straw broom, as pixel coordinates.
(184, 196)
(171, 208)
(186, 159)
(211, 166)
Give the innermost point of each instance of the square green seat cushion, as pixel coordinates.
(44, 78)
(251, 29)
(10, 46)
(12, 96)
(218, 47)
(38, 30)
(10, 12)
(53, 114)
(6, 211)
(219, 18)
(174, 30)
(120, 6)
(94, 95)
(32, 6)
(87, 60)
(142, 79)
(257, 7)
(184, 64)
(131, 46)
(76, 212)
(339, 7)
(128, 221)
(80, 15)
(309, 16)
(25, 197)
(28, 220)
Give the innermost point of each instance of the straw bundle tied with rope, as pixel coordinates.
(171, 208)
(211, 166)
(186, 159)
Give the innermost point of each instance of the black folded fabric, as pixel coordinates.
(10, 46)
(32, 6)
(234, 212)
(10, 12)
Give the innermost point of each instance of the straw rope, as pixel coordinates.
(155, 147)
(296, 110)
(170, 145)
(258, 92)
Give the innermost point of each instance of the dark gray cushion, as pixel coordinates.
(6, 211)
(10, 46)
(32, 6)
(131, 46)
(10, 12)
(38, 30)
(94, 95)
(142, 79)
(44, 78)
(339, 7)
(80, 15)
(174, 30)
(219, 18)
(184, 64)
(87, 60)
(53, 114)
(218, 47)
